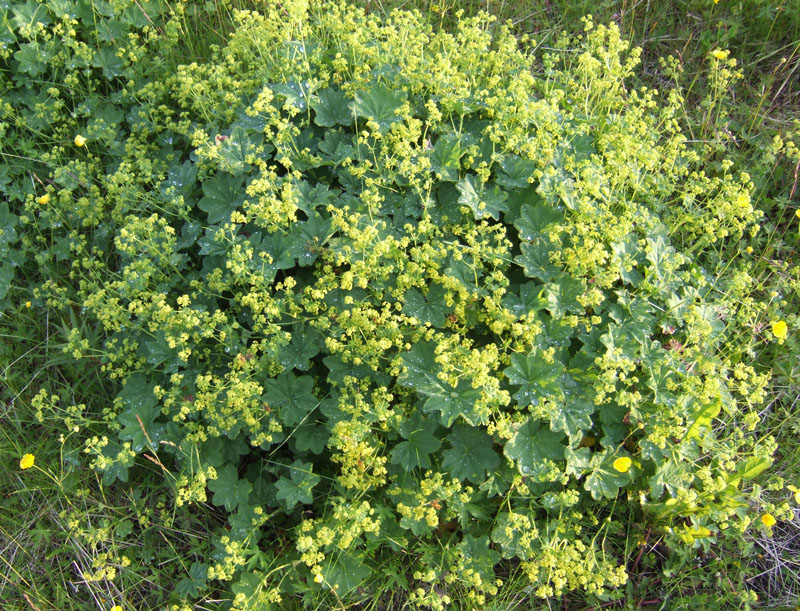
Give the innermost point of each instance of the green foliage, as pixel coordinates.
(361, 288)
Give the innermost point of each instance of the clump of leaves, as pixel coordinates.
(371, 289)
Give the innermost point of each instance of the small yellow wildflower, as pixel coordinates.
(719, 54)
(27, 304)
(796, 491)
(26, 462)
(80, 140)
(749, 250)
(318, 578)
(768, 520)
(42, 200)
(797, 213)
(116, 608)
(622, 464)
(780, 329)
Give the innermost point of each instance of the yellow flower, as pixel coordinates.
(797, 213)
(768, 520)
(622, 464)
(318, 578)
(115, 608)
(780, 329)
(43, 199)
(719, 54)
(27, 304)
(80, 140)
(26, 462)
(749, 250)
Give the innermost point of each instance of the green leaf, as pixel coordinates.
(292, 396)
(481, 200)
(626, 259)
(536, 221)
(612, 417)
(468, 274)
(529, 300)
(139, 415)
(444, 206)
(379, 104)
(32, 59)
(124, 528)
(339, 369)
(241, 522)
(337, 146)
(703, 418)
(250, 583)
(752, 467)
(181, 179)
(221, 196)
(583, 146)
(107, 59)
(296, 94)
(314, 197)
(662, 258)
(573, 414)
(672, 476)
(156, 350)
(312, 235)
(107, 31)
(234, 150)
(298, 488)
(332, 108)
(209, 245)
(562, 295)
(195, 582)
(117, 467)
(430, 308)
(419, 445)
(578, 461)
(661, 375)
(8, 231)
(215, 451)
(282, 249)
(515, 172)
(305, 345)
(512, 532)
(471, 454)
(535, 259)
(229, 491)
(478, 556)
(420, 369)
(310, 437)
(710, 316)
(446, 157)
(420, 375)
(140, 14)
(532, 444)
(481, 510)
(604, 481)
(635, 318)
(7, 273)
(28, 14)
(536, 378)
(556, 333)
(344, 572)
(568, 193)
(456, 402)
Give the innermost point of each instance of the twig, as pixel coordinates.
(794, 185)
